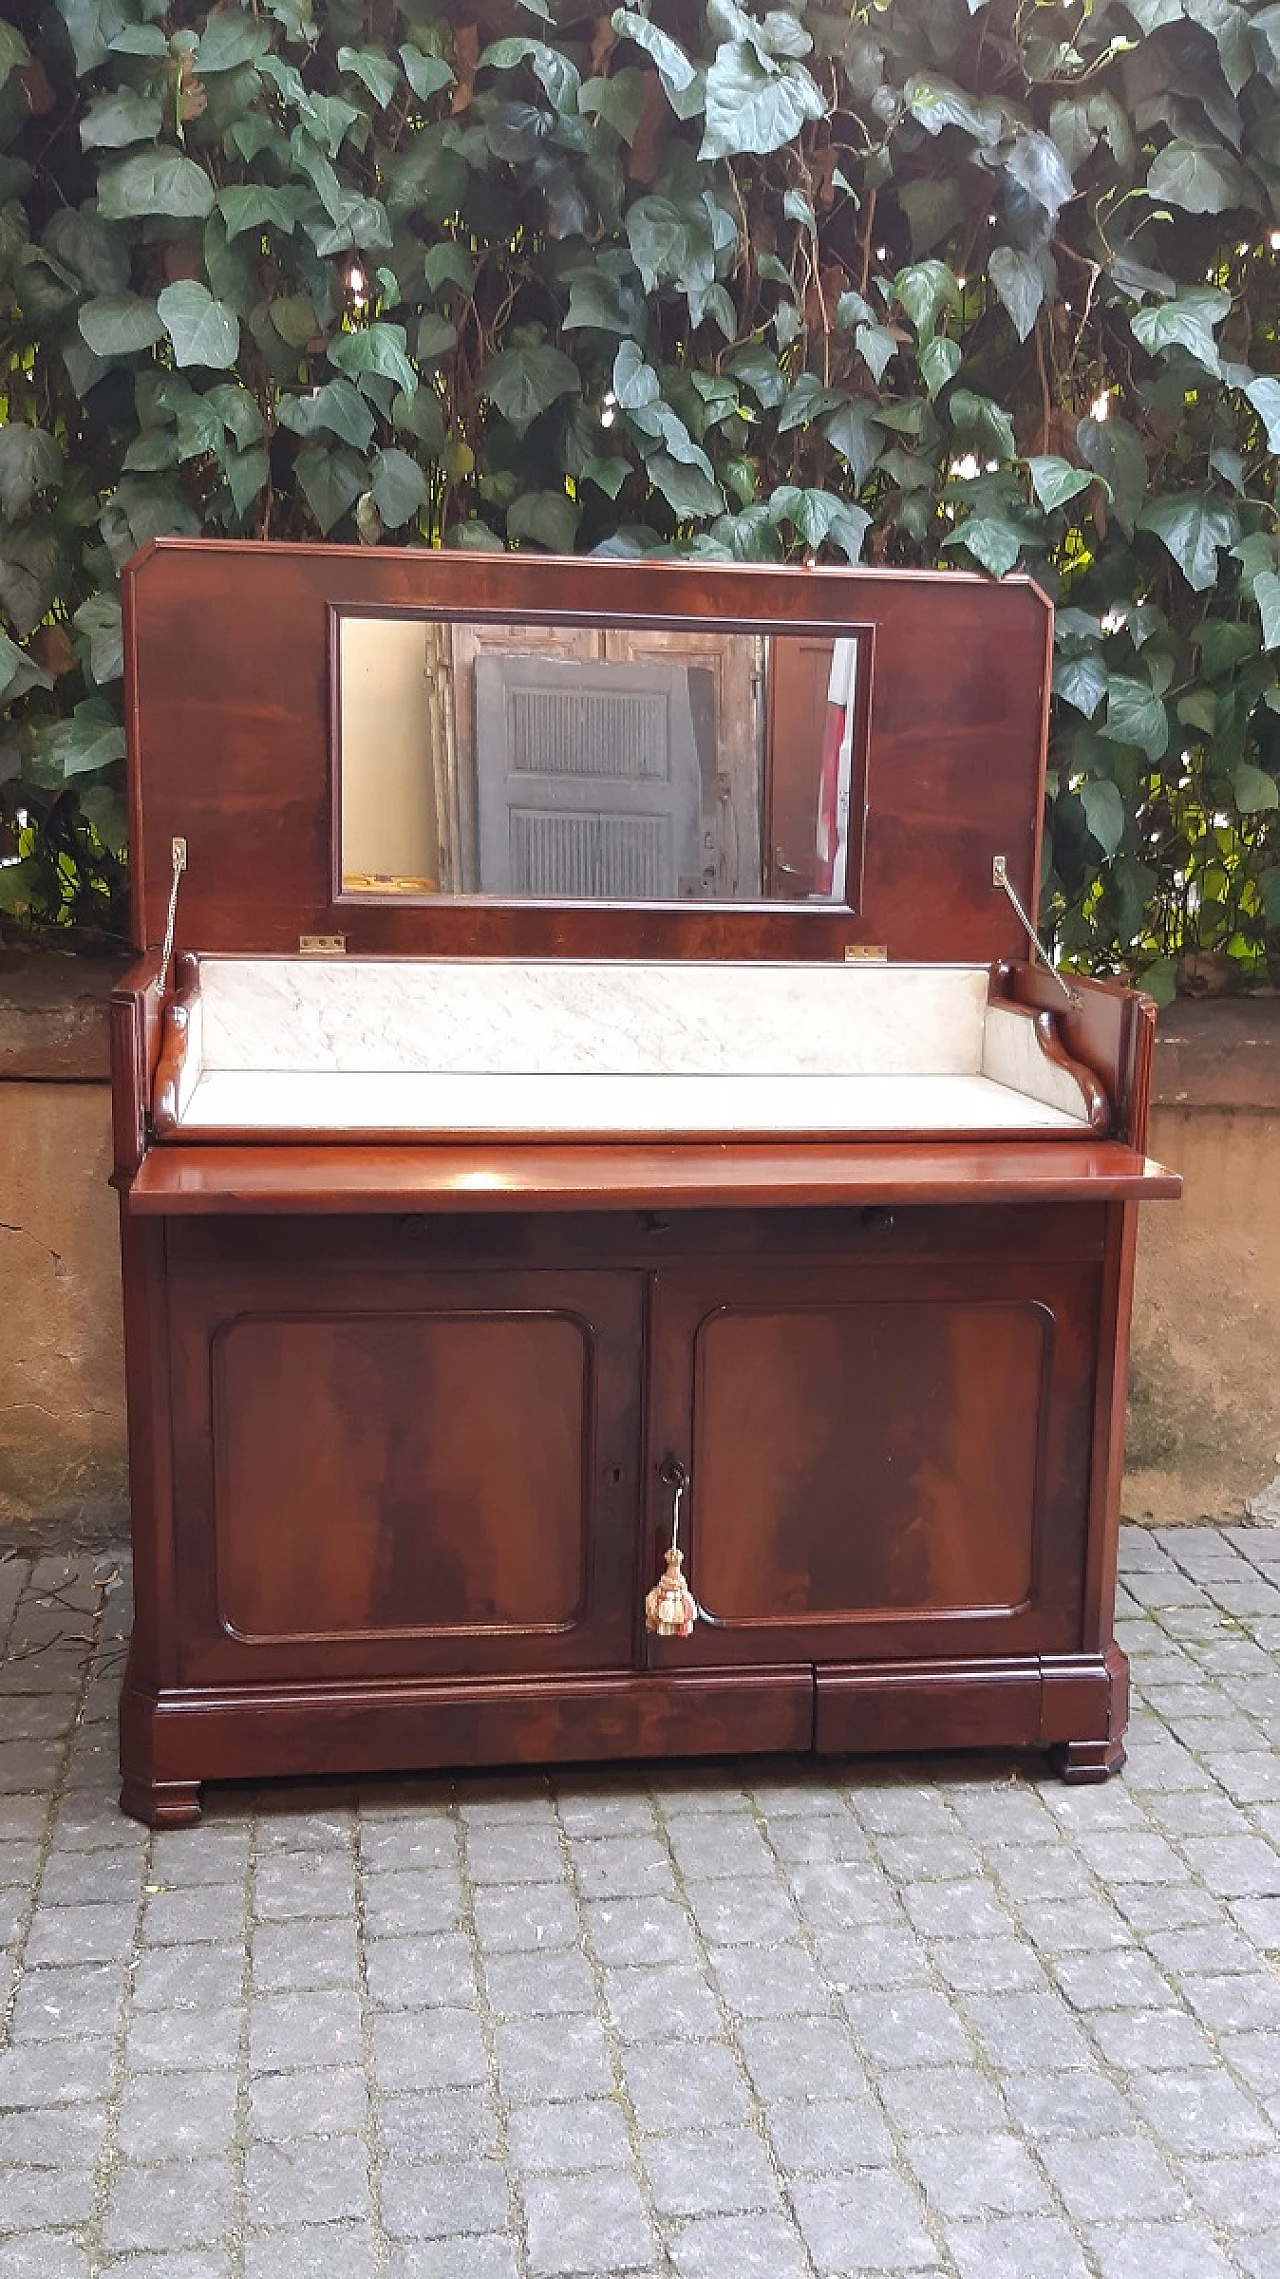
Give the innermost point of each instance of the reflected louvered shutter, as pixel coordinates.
(588, 779)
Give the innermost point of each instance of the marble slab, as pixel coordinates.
(578, 1105)
(629, 1018)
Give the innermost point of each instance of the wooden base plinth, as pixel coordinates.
(171, 1742)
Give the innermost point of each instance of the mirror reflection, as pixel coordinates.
(579, 763)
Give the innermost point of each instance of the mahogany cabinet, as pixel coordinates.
(468, 1243)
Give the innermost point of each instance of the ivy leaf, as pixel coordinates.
(154, 182)
(1054, 481)
(806, 401)
(1264, 395)
(91, 739)
(446, 263)
(939, 103)
(203, 331)
(119, 324)
(14, 51)
(1136, 715)
(336, 409)
(30, 462)
(521, 382)
(1266, 593)
(399, 487)
(608, 475)
(374, 348)
(19, 672)
(940, 360)
(1081, 682)
(1020, 285)
(992, 541)
(619, 100)
(757, 370)
(1199, 177)
(684, 485)
(602, 303)
(924, 289)
(817, 516)
(1104, 813)
(1192, 525)
(547, 518)
(1255, 791)
(1185, 322)
(984, 422)
(855, 432)
(246, 473)
(1114, 450)
(1037, 165)
(754, 107)
(254, 205)
(113, 121)
(426, 74)
(231, 37)
(239, 414)
(330, 481)
(682, 82)
(97, 621)
(876, 345)
(375, 71)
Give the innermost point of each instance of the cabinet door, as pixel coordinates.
(881, 1461)
(386, 1470)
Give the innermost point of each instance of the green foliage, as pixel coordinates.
(968, 282)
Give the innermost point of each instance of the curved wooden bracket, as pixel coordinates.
(174, 1043)
(1097, 1105)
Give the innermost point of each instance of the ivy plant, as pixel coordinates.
(987, 283)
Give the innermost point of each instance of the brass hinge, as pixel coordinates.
(866, 953)
(322, 945)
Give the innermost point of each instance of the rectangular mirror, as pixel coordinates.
(579, 763)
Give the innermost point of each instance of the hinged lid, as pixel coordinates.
(231, 660)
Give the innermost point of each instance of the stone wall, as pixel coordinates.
(1204, 1434)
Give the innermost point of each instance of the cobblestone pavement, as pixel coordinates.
(758, 2022)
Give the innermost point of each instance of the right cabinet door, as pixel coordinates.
(882, 1460)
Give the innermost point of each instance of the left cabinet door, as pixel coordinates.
(384, 1468)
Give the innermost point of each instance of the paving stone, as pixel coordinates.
(1259, 1919)
(1016, 2247)
(291, 1958)
(724, 1845)
(45, 2255)
(30, 2198)
(1238, 2193)
(801, 2057)
(190, 2264)
(1199, 2112)
(548, 2060)
(1112, 2178)
(978, 2175)
(181, 2203)
(53, 2073)
(534, 1986)
(406, 1903)
(609, 1809)
(878, 2226)
(181, 1914)
(214, 1852)
(329, 2251)
(428, 2049)
(566, 2138)
(876, 1957)
(672, 2002)
(833, 1895)
(775, 1982)
(590, 2223)
(1176, 2251)
(749, 2247)
(188, 1978)
(69, 2138)
(819, 2135)
(68, 2002)
(81, 1879)
(640, 1931)
(514, 1855)
(426, 1840)
(163, 2121)
(527, 1917)
(489, 2258)
(749, 1913)
(421, 1974)
(909, 2028)
(442, 2124)
(1027, 2033)
(719, 2172)
(819, 1842)
(324, 2102)
(987, 1966)
(306, 2180)
(623, 1867)
(942, 2098)
(1066, 2104)
(689, 2086)
(287, 2031)
(180, 2041)
(101, 1933)
(1150, 2041)
(1123, 1979)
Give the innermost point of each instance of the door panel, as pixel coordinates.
(879, 1461)
(388, 1471)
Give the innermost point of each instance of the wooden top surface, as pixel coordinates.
(178, 1180)
(227, 667)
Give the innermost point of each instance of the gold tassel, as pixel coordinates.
(670, 1610)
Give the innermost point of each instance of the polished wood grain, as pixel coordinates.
(228, 701)
(324, 1179)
